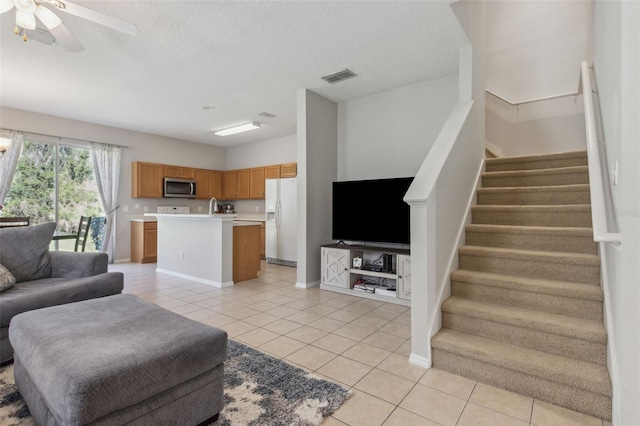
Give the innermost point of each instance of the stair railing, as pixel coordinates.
(596, 178)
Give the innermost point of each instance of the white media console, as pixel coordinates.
(339, 273)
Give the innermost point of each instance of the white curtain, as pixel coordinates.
(106, 164)
(8, 162)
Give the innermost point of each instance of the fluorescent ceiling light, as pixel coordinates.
(237, 129)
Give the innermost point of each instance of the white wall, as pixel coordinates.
(534, 48)
(257, 154)
(616, 48)
(537, 128)
(389, 134)
(141, 147)
(263, 153)
(317, 169)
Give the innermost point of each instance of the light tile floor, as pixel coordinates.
(362, 344)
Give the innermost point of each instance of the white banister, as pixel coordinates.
(596, 184)
(438, 212)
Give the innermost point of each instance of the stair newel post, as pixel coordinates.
(423, 301)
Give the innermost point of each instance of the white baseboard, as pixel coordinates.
(420, 361)
(196, 279)
(495, 149)
(127, 260)
(308, 285)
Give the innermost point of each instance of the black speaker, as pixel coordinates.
(387, 263)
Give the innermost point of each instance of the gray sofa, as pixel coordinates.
(44, 278)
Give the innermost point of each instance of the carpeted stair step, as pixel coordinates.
(540, 177)
(535, 195)
(577, 385)
(530, 162)
(576, 338)
(578, 215)
(574, 240)
(556, 297)
(573, 267)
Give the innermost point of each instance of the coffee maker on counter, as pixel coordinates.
(228, 209)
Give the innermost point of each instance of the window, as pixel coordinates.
(54, 182)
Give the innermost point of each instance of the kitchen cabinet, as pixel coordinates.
(263, 241)
(179, 172)
(230, 185)
(144, 241)
(256, 185)
(288, 170)
(237, 185)
(246, 252)
(208, 184)
(272, 172)
(146, 180)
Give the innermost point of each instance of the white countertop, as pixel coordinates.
(245, 223)
(251, 217)
(192, 216)
(145, 219)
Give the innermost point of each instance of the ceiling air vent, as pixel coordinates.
(266, 114)
(40, 35)
(339, 76)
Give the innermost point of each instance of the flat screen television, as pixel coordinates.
(371, 211)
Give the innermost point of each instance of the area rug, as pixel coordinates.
(259, 390)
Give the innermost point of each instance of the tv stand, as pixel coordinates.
(383, 278)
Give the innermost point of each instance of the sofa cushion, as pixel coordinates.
(7, 280)
(38, 294)
(24, 250)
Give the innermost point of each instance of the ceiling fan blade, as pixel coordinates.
(64, 36)
(97, 17)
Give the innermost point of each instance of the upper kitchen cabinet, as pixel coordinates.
(237, 185)
(208, 184)
(146, 180)
(288, 170)
(256, 186)
(272, 172)
(179, 172)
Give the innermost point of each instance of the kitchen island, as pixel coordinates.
(205, 248)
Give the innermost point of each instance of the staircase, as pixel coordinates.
(525, 312)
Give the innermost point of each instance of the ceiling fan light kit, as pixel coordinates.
(28, 10)
(237, 129)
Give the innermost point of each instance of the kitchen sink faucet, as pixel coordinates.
(213, 205)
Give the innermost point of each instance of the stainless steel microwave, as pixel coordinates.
(179, 188)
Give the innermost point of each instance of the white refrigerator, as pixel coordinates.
(281, 200)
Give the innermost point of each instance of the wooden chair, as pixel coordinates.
(83, 233)
(6, 222)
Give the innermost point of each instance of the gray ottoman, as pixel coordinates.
(117, 360)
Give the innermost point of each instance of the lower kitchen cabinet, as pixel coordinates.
(246, 252)
(144, 241)
(263, 242)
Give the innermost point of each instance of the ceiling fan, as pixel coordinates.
(28, 10)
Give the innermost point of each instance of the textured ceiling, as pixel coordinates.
(242, 58)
